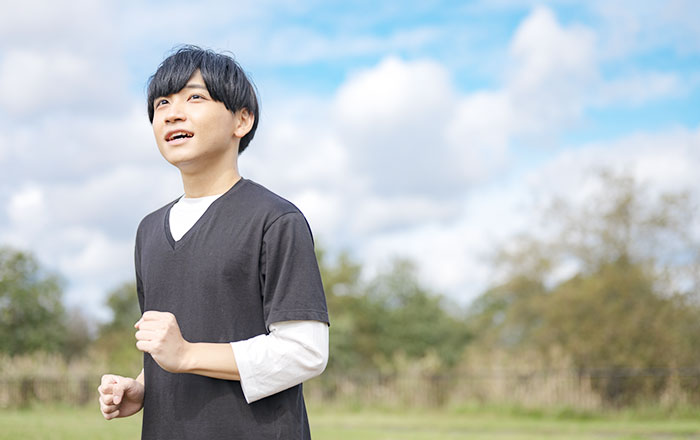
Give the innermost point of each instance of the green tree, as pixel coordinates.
(611, 284)
(412, 320)
(32, 316)
(78, 334)
(343, 287)
(390, 315)
(123, 302)
(116, 341)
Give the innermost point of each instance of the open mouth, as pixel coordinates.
(176, 135)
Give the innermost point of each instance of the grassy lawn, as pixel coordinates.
(64, 423)
(501, 425)
(333, 424)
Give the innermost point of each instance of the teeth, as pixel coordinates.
(179, 135)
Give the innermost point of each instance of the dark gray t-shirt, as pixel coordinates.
(246, 263)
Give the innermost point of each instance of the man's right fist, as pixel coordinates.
(120, 396)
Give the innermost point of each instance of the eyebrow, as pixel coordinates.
(188, 86)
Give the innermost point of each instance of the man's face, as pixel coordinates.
(192, 130)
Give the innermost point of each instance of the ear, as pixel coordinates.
(244, 122)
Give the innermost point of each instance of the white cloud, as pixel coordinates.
(324, 210)
(639, 88)
(27, 211)
(546, 87)
(667, 160)
(375, 215)
(69, 147)
(554, 74)
(95, 255)
(94, 263)
(552, 70)
(113, 202)
(119, 197)
(379, 146)
(480, 132)
(297, 149)
(392, 120)
(545, 51)
(34, 83)
(27, 205)
(393, 94)
(81, 25)
(60, 57)
(630, 27)
(453, 257)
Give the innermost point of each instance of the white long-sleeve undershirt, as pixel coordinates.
(293, 351)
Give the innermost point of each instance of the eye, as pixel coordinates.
(195, 96)
(159, 102)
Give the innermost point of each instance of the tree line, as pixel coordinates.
(608, 282)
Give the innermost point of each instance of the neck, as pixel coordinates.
(209, 183)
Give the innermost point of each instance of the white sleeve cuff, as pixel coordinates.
(293, 352)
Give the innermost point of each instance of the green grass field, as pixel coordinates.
(333, 424)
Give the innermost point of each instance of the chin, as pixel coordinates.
(185, 165)
(175, 155)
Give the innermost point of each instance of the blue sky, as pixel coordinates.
(421, 129)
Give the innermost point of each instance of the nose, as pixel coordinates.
(174, 113)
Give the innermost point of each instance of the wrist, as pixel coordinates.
(140, 378)
(188, 358)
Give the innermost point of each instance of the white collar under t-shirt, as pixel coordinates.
(185, 213)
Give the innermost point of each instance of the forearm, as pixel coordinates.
(215, 360)
(292, 353)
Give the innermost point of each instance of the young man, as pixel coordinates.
(234, 314)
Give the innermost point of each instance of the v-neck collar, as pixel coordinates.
(176, 244)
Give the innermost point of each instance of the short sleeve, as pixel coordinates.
(291, 282)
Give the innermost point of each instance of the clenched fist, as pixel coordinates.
(120, 396)
(159, 335)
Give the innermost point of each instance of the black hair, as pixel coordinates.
(223, 76)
